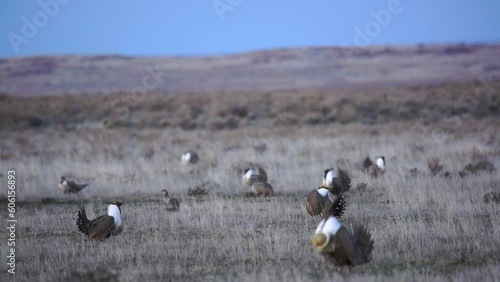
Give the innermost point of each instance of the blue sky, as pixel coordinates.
(193, 27)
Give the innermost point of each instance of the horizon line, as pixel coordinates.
(256, 50)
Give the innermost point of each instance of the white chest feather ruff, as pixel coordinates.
(250, 172)
(323, 192)
(328, 226)
(114, 211)
(330, 175)
(186, 156)
(381, 163)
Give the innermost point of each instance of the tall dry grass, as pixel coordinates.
(425, 227)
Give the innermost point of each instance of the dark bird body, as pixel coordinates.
(336, 181)
(323, 203)
(329, 198)
(342, 246)
(189, 157)
(262, 188)
(254, 174)
(374, 169)
(170, 203)
(102, 226)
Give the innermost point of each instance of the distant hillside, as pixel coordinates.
(325, 67)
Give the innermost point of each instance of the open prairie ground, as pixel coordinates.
(426, 225)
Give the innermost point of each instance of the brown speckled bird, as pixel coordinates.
(329, 198)
(253, 174)
(323, 203)
(342, 246)
(374, 169)
(260, 188)
(336, 181)
(170, 203)
(68, 186)
(189, 157)
(102, 226)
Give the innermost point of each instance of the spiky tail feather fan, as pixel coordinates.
(363, 239)
(337, 208)
(82, 221)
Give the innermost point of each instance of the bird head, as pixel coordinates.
(118, 203)
(63, 178)
(165, 192)
(327, 170)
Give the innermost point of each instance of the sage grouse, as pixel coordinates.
(341, 246)
(374, 169)
(189, 157)
(254, 174)
(323, 203)
(261, 188)
(102, 226)
(170, 203)
(336, 181)
(329, 199)
(68, 186)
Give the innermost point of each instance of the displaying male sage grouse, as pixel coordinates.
(102, 226)
(323, 203)
(341, 246)
(253, 174)
(189, 157)
(329, 199)
(336, 181)
(374, 169)
(170, 203)
(68, 186)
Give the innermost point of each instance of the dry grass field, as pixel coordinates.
(265, 70)
(425, 226)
